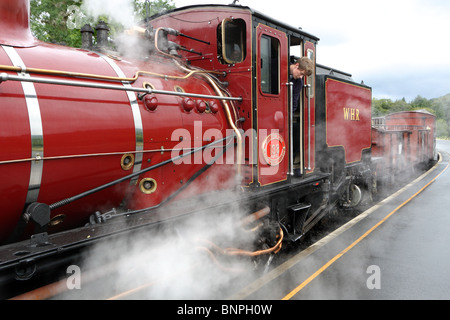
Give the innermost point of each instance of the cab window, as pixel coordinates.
(270, 65)
(232, 41)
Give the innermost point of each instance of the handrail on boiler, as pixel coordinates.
(7, 77)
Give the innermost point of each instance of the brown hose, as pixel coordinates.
(255, 216)
(235, 252)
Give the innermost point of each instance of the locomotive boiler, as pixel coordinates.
(198, 118)
(75, 121)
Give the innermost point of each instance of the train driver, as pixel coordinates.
(302, 68)
(298, 70)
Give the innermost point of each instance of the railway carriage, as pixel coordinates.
(403, 142)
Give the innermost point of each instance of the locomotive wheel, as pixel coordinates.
(355, 195)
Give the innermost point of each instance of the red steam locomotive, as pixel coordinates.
(201, 109)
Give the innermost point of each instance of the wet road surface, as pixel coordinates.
(400, 249)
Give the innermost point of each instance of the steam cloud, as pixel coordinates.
(178, 261)
(120, 11)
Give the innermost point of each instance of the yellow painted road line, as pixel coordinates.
(337, 257)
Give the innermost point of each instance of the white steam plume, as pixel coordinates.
(121, 11)
(178, 262)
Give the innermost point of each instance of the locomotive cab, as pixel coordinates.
(253, 52)
(250, 52)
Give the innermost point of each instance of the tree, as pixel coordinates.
(442, 129)
(381, 107)
(442, 107)
(49, 22)
(59, 21)
(156, 6)
(420, 103)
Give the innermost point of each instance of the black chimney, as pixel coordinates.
(102, 35)
(87, 34)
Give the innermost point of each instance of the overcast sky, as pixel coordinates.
(401, 48)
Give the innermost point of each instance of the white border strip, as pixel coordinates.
(138, 125)
(37, 134)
